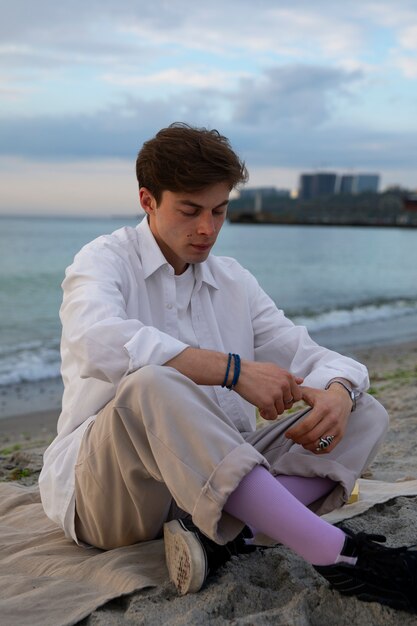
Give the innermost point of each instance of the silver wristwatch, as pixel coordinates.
(353, 395)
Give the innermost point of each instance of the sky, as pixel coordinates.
(297, 86)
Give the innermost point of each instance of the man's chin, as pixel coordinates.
(199, 257)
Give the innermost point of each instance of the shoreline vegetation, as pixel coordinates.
(271, 586)
(389, 209)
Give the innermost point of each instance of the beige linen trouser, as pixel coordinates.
(162, 449)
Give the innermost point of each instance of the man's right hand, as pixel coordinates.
(265, 385)
(272, 389)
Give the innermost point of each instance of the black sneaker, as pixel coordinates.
(191, 556)
(381, 574)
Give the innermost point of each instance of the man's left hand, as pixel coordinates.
(330, 410)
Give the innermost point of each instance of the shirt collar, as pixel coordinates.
(151, 255)
(153, 259)
(204, 274)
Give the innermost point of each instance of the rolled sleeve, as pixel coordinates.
(341, 367)
(150, 346)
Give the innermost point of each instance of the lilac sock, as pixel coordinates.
(305, 488)
(260, 501)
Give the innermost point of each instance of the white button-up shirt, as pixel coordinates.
(119, 314)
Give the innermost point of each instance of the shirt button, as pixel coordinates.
(169, 306)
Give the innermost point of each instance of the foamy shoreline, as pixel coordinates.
(30, 397)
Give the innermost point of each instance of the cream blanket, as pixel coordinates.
(46, 580)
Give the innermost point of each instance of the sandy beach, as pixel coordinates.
(272, 586)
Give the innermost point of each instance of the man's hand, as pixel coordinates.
(328, 417)
(265, 385)
(272, 389)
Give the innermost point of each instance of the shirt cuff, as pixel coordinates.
(150, 346)
(358, 377)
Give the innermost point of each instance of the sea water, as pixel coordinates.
(349, 286)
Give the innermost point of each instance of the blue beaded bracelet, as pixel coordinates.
(236, 373)
(229, 360)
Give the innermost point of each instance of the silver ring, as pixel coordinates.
(289, 400)
(324, 442)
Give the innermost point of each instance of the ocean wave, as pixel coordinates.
(9, 350)
(340, 318)
(29, 362)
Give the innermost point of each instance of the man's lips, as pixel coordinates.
(202, 247)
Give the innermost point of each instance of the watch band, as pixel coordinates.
(352, 394)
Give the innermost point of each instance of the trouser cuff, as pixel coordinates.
(208, 512)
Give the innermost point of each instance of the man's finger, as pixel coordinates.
(305, 426)
(269, 413)
(296, 391)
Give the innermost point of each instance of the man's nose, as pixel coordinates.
(206, 224)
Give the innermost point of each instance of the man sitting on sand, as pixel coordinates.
(167, 351)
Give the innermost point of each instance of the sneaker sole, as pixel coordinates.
(185, 558)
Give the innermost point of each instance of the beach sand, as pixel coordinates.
(272, 586)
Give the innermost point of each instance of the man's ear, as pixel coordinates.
(147, 200)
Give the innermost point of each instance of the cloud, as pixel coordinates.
(199, 78)
(284, 81)
(404, 56)
(106, 134)
(326, 148)
(323, 30)
(401, 24)
(299, 95)
(283, 119)
(408, 66)
(408, 37)
(67, 34)
(296, 97)
(10, 92)
(69, 54)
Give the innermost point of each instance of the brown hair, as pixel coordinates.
(184, 158)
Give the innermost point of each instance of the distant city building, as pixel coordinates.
(324, 183)
(366, 182)
(346, 183)
(358, 183)
(305, 190)
(256, 196)
(327, 183)
(252, 192)
(317, 184)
